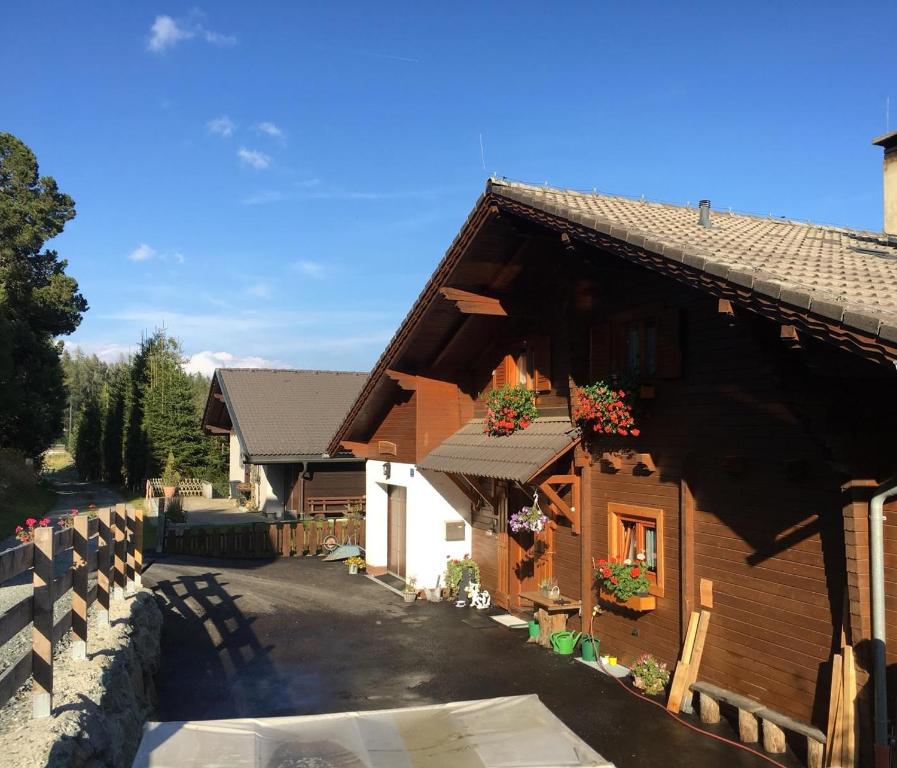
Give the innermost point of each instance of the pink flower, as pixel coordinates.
(31, 522)
(45, 522)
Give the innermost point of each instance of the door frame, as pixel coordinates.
(397, 531)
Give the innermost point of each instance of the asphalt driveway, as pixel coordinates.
(300, 636)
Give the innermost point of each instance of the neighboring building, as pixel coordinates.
(279, 423)
(764, 354)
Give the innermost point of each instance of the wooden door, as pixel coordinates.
(395, 522)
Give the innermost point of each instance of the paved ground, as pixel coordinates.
(201, 511)
(295, 637)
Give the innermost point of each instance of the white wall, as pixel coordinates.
(270, 489)
(432, 501)
(236, 459)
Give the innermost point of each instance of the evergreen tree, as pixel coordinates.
(114, 412)
(89, 440)
(38, 301)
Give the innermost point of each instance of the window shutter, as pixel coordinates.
(599, 352)
(669, 352)
(500, 374)
(541, 347)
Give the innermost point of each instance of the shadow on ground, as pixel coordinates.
(299, 636)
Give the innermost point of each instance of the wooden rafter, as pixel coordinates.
(470, 490)
(470, 303)
(361, 450)
(570, 512)
(217, 430)
(406, 381)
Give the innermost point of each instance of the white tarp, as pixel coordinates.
(506, 732)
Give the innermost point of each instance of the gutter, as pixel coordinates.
(885, 491)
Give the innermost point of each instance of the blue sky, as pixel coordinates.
(276, 181)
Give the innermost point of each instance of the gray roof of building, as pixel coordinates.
(470, 451)
(845, 275)
(283, 415)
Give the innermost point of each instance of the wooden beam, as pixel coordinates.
(644, 460)
(470, 303)
(612, 460)
(218, 396)
(217, 430)
(724, 307)
(561, 505)
(406, 381)
(361, 450)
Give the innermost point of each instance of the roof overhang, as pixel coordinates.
(298, 458)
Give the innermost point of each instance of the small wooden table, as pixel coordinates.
(551, 613)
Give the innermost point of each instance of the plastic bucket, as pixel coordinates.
(533, 628)
(587, 650)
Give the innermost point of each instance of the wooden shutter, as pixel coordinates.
(599, 352)
(541, 348)
(500, 374)
(669, 352)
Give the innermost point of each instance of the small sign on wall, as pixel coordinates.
(454, 531)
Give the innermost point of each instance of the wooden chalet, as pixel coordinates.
(763, 351)
(279, 423)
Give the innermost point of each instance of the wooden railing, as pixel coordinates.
(188, 486)
(330, 504)
(110, 545)
(304, 538)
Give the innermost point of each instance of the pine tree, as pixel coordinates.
(89, 440)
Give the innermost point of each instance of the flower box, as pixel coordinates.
(634, 603)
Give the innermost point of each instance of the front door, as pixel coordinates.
(395, 523)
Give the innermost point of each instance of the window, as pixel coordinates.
(639, 358)
(634, 531)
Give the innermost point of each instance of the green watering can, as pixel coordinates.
(564, 642)
(587, 650)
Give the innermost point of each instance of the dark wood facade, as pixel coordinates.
(757, 451)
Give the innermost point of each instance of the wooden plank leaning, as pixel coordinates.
(42, 626)
(679, 688)
(118, 592)
(79, 583)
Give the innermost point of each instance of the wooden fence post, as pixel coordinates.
(130, 536)
(81, 541)
(138, 547)
(120, 553)
(104, 563)
(42, 628)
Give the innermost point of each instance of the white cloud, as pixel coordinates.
(253, 158)
(259, 290)
(270, 129)
(142, 252)
(310, 268)
(221, 126)
(206, 362)
(263, 197)
(166, 32)
(108, 352)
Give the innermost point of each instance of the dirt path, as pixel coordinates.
(72, 493)
(299, 636)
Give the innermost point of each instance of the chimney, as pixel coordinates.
(704, 213)
(889, 143)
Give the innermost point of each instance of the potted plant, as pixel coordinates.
(625, 583)
(356, 564)
(25, 533)
(601, 409)
(509, 409)
(529, 518)
(410, 591)
(170, 477)
(454, 572)
(649, 674)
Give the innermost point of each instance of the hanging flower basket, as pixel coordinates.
(602, 409)
(509, 409)
(528, 519)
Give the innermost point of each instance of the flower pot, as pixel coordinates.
(434, 595)
(353, 569)
(634, 603)
(410, 597)
(169, 491)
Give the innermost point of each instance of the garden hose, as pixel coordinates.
(675, 717)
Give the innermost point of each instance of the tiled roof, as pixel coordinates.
(845, 275)
(284, 414)
(470, 451)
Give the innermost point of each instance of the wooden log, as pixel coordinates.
(748, 730)
(104, 561)
(118, 592)
(130, 535)
(138, 547)
(697, 653)
(849, 693)
(79, 582)
(773, 738)
(709, 708)
(42, 626)
(814, 753)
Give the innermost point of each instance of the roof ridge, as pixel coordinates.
(295, 370)
(728, 211)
